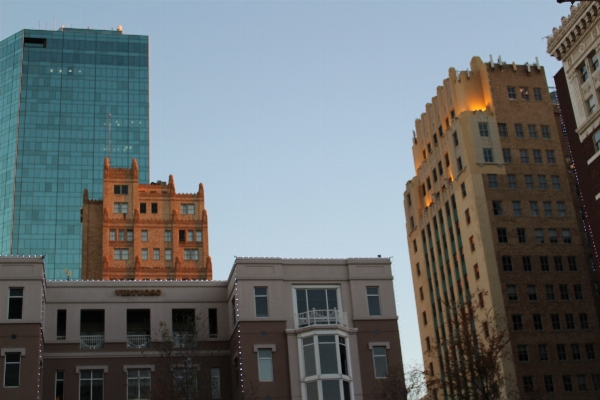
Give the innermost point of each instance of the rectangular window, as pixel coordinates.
(507, 263)
(527, 267)
(589, 351)
(12, 369)
(261, 302)
(198, 236)
(525, 93)
(583, 319)
(532, 292)
(564, 292)
(532, 131)
(537, 322)
(517, 322)
(112, 235)
(373, 301)
(537, 156)
(497, 207)
(459, 164)
(561, 351)
(583, 71)
(567, 383)
(212, 323)
(182, 235)
(533, 209)
(577, 289)
(502, 130)
(572, 263)
(521, 235)
(522, 353)
(187, 209)
(507, 156)
(168, 236)
(545, 132)
(154, 207)
(120, 208)
(519, 130)
(121, 189)
(502, 236)
(215, 381)
(91, 384)
(144, 236)
(493, 181)
(59, 385)
(544, 263)
(550, 292)
(558, 263)
(380, 361)
(156, 254)
(555, 321)
(542, 183)
(121, 235)
(144, 254)
(487, 155)
(516, 208)
(265, 365)
(582, 383)
(547, 208)
(543, 350)
(15, 303)
(511, 93)
(555, 182)
(463, 190)
(524, 154)
(566, 234)
(483, 129)
(511, 291)
(575, 351)
(539, 235)
(121, 254)
(468, 216)
(529, 182)
(570, 321)
(168, 254)
(591, 105)
(553, 235)
(190, 236)
(560, 209)
(129, 235)
(537, 94)
(190, 254)
(138, 384)
(550, 157)
(61, 324)
(472, 243)
(142, 208)
(596, 139)
(596, 381)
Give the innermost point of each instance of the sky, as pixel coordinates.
(297, 116)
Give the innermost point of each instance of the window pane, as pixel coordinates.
(310, 367)
(312, 391)
(328, 355)
(331, 390)
(265, 365)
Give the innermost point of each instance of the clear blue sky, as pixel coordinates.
(298, 115)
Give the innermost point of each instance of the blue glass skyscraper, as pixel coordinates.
(68, 99)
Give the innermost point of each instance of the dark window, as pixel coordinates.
(61, 324)
(525, 93)
(589, 351)
(517, 322)
(570, 321)
(121, 189)
(507, 156)
(493, 181)
(545, 132)
(59, 388)
(555, 321)
(184, 323)
(511, 93)
(575, 350)
(564, 292)
(142, 208)
(537, 322)
(522, 353)
(578, 292)
(182, 235)
(582, 382)
(532, 292)
(212, 322)
(561, 351)
(154, 208)
(497, 207)
(583, 319)
(550, 292)
(548, 383)
(12, 364)
(537, 94)
(502, 130)
(373, 301)
(519, 130)
(511, 291)
(544, 263)
(528, 384)
(521, 235)
(260, 301)
(483, 129)
(502, 236)
(567, 383)
(15, 304)
(558, 263)
(507, 263)
(34, 42)
(463, 189)
(596, 380)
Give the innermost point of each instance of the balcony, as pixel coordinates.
(138, 341)
(321, 317)
(91, 342)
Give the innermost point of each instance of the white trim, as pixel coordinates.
(592, 158)
(21, 350)
(272, 347)
(597, 195)
(379, 344)
(80, 368)
(147, 366)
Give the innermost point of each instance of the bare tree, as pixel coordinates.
(472, 345)
(400, 385)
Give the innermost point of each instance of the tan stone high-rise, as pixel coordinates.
(144, 231)
(491, 209)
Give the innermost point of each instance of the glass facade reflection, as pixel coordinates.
(68, 99)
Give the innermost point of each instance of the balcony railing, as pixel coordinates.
(322, 317)
(61, 337)
(92, 341)
(138, 341)
(181, 340)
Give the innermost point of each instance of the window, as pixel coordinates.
(168, 254)
(59, 385)
(502, 130)
(190, 254)
(463, 189)
(524, 154)
(373, 301)
(572, 263)
(527, 266)
(577, 289)
(138, 384)
(517, 322)
(567, 383)
(539, 235)
(447, 158)
(120, 208)
(144, 236)
(583, 71)
(326, 355)
(156, 254)
(537, 94)
(529, 182)
(154, 207)
(550, 292)
(129, 235)
(144, 254)
(564, 292)
(424, 318)
(519, 130)
(142, 208)
(121, 254)
(415, 246)
(543, 184)
(121, 235)
(483, 129)
(198, 236)
(507, 156)
(15, 303)
(525, 93)
(547, 208)
(487, 155)
(168, 236)
(493, 181)
(544, 263)
(459, 163)
(555, 182)
(582, 383)
(533, 209)
(121, 189)
(543, 351)
(589, 351)
(468, 216)
(537, 156)
(380, 361)
(576, 352)
(12, 368)
(507, 263)
(455, 137)
(566, 234)
(265, 365)
(596, 139)
(596, 380)
(545, 132)
(532, 131)
(472, 243)
(112, 235)
(61, 324)
(511, 93)
(532, 292)
(521, 235)
(497, 207)
(91, 384)
(583, 320)
(186, 380)
(502, 236)
(570, 321)
(187, 209)
(591, 105)
(261, 302)
(418, 268)
(561, 351)
(511, 291)
(560, 209)
(537, 322)
(555, 321)
(516, 208)
(522, 353)
(215, 381)
(476, 269)
(182, 235)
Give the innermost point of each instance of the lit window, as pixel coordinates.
(144, 254)
(144, 236)
(138, 384)
(261, 302)
(525, 93)
(156, 254)
(168, 236)
(120, 208)
(265, 365)
(91, 384)
(380, 361)
(187, 209)
(168, 254)
(15, 303)
(190, 254)
(373, 301)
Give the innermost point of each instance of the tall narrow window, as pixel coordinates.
(156, 254)
(198, 236)
(12, 369)
(212, 322)
(142, 208)
(168, 236)
(129, 235)
(138, 384)
(59, 385)
(15, 303)
(373, 301)
(61, 324)
(154, 207)
(261, 302)
(215, 382)
(265, 365)
(91, 384)
(144, 254)
(168, 254)
(380, 361)
(144, 236)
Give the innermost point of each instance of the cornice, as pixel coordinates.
(564, 38)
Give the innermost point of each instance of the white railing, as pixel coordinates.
(138, 341)
(92, 341)
(181, 340)
(322, 317)
(61, 337)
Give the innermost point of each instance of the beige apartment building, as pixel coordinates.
(310, 329)
(491, 210)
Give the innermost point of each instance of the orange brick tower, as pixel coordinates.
(144, 231)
